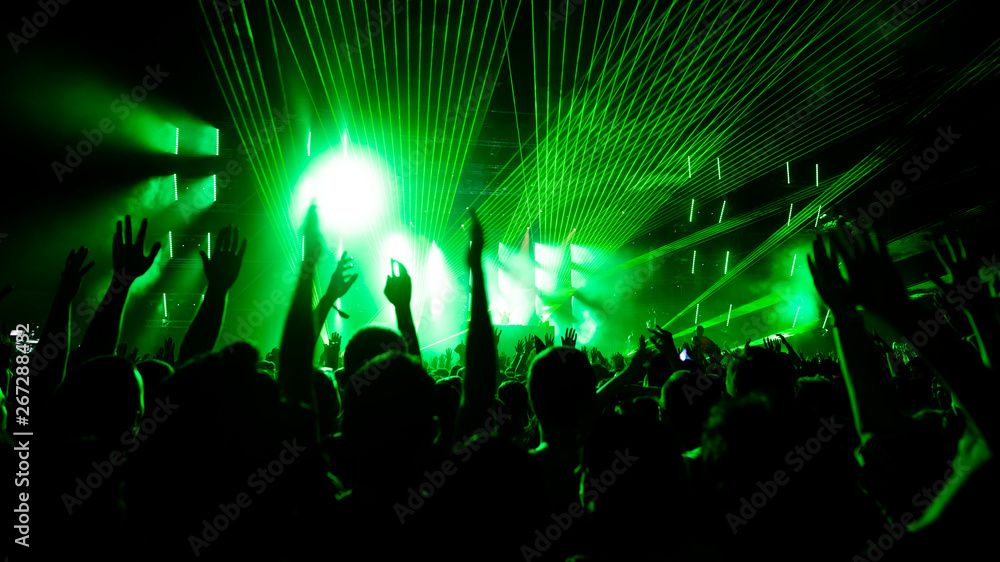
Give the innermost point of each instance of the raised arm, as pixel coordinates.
(481, 372)
(58, 327)
(871, 402)
(399, 289)
(129, 262)
(340, 283)
(221, 270)
(295, 368)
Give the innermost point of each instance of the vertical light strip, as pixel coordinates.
(826, 318)
(725, 269)
(723, 211)
(694, 256)
(216, 142)
(730, 315)
(175, 187)
(793, 265)
(718, 165)
(177, 141)
(303, 248)
(790, 207)
(818, 211)
(691, 217)
(170, 242)
(689, 167)
(796, 316)
(209, 252)
(164, 305)
(788, 174)
(309, 141)
(215, 191)
(697, 307)
(817, 175)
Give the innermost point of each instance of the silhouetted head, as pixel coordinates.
(758, 370)
(687, 399)
(369, 343)
(327, 401)
(389, 403)
(154, 372)
(515, 395)
(700, 330)
(562, 388)
(103, 397)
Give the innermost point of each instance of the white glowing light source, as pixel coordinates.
(730, 315)
(347, 186)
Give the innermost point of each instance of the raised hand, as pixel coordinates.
(73, 273)
(569, 340)
(335, 338)
(619, 361)
(168, 350)
(496, 335)
(519, 347)
(122, 349)
(662, 340)
(398, 288)
(540, 345)
(224, 265)
(550, 340)
(866, 259)
(341, 282)
(957, 266)
(476, 238)
(830, 284)
(128, 258)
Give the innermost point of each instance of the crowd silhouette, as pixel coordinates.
(379, 452)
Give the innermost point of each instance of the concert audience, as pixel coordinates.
(377, 451)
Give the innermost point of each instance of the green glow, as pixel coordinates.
(817, 175)
(694, 256)
(303, 248)
(177, 141)
(723, 211)
(697, 307)
(796, 316)
(725, 269)
(214, 189)
(718, 165)
(689, 167)
(691, 217)
(209, 252)
(164, 305)
(309, 140)
(793, 265)
(730, 315)
(175, 187)
(170, 243)
(825, 318)
(216, 142)
(819, 210)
